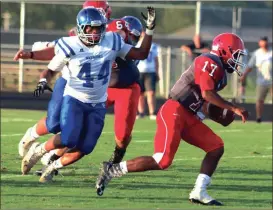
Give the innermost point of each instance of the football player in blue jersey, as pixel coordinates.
(85, 92)
(123, 82)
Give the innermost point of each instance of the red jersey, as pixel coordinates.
(206, 73)
(116, 25)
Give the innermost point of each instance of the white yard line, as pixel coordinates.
(153, 131)
(8, 120)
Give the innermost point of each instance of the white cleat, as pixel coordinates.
(152, 117)
(31, 158)
(200, 196)
(25, 143)
(48, 174)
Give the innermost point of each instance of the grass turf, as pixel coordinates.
(243, 179)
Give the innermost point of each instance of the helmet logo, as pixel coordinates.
(215, 47)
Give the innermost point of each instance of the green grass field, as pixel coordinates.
(243, 179)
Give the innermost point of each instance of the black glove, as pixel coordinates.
(41, 87)
(150, 21)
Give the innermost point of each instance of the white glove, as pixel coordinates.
(150, 20)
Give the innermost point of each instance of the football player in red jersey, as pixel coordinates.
(177, 118)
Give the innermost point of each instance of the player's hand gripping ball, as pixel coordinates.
(223, 116)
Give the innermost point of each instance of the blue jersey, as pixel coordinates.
(124, 73)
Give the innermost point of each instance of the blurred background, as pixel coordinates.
(25, 22)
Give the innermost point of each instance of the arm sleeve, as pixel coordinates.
(125, 48)
(59, 60)
(252, 60)
(39, 46)
(57, 63)
(120, 46)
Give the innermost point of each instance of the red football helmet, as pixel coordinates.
(102, 5)
(230, 48)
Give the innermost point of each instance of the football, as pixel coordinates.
(223, 116)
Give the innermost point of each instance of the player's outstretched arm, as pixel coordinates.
(142, 52)
(42, 55)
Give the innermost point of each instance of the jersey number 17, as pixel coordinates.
(213, 68)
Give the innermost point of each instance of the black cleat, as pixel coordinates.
(211, 203)
(104, 178)
(100, 189)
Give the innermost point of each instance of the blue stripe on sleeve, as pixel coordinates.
(114, 42)
(66, 54)
(70, 49)
(119, 42)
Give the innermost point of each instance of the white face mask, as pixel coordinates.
(236, 61)
(91, 38)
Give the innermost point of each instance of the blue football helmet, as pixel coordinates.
(89, 19)
(135, 28)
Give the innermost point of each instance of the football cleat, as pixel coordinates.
(45, 160)
(31, 158)
(41, 171)
(140, 116)
(48, 174)
(152, 117)
(104, 178)
(25, 143)
(108, 171)
(202, 197)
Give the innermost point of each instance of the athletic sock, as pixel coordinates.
(123, 167)
(33, 132)
(57, 164)
(117, 155)
(202, 181)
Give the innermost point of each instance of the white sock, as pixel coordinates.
(55, 151)
(33, 132)
(57, 164)
(202, 181)
(41, 149)
(123, 166)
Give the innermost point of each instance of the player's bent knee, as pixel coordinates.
(53, 126)
(69, 144)
(216, 144)
(86, 150)
(163, 160)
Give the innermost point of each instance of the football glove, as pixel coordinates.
(150, 19)
(41, 87)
